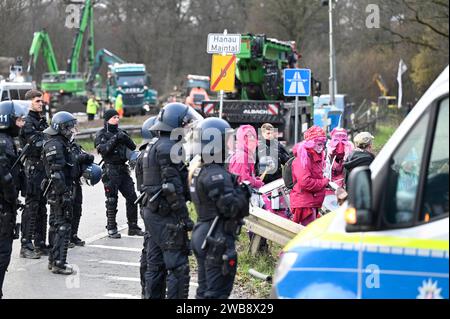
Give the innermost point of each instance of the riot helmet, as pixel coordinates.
(10, 111)
(211, 139)
(64, 124)
(146, 133)
(92, 174)
(175, 115)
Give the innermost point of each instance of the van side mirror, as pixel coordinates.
(359, 214)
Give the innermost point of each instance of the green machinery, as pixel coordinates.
(258, 97)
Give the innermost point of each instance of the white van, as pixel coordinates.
(391, 239)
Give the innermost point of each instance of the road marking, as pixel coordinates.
(124, 278)
(193, 284)
(137, 250)
(134, 237)
(123, 263)
(122, 296)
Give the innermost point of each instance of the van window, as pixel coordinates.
(404, 175)
(22, 94)
(435, 202)
(5, 96)
(14, 94)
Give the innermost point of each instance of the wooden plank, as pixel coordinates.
(268, 233)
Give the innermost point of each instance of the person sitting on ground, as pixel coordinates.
(362, 155)
(307, 173)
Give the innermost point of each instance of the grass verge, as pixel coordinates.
(383, 134)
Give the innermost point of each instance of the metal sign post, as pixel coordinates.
(296, 120)
(297, 82)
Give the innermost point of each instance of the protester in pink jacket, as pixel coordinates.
(339, 149)
(307, 173)
(242, 162)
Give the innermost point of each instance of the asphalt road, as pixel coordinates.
(106, 268)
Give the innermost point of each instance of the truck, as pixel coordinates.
(197, 87)
(390, 239)
(258, 97)
(132, 81)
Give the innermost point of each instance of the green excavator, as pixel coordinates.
(258, 97)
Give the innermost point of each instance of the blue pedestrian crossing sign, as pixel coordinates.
(297, 82)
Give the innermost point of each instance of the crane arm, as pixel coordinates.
(41, 41)
(102, 55)
(381, 84)
(86, 22)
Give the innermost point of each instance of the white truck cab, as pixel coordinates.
(391, 239)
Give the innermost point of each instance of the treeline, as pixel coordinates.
(169, 36)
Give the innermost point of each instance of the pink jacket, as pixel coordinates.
(242, 162)
(309, 190)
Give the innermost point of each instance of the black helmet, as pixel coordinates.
(63, 123)
(10, 111)
(146, 133)
(210, 138)
(175, 115)
(92, 174)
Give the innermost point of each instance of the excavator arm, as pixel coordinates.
(86, 21)
(41, 41)
(102, 55)
(381, 84)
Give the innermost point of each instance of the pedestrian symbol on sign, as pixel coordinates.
(297, 82)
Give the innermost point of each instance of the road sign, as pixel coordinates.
(224, 43)
(297, 82)
(223, 72)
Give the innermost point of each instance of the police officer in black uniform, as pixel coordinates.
(60, 165)
(166, 217)
(221, 205)
(83, 161)
(115, 145)
(147, 136)
(12, 118)
(34, 216)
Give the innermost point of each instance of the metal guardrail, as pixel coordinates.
(90, 133)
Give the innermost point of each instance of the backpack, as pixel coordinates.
(286, 172)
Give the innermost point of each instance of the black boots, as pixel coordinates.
(134, 230)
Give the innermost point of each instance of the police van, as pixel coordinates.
(391, 238)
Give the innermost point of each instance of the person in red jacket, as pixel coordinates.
(307, 173)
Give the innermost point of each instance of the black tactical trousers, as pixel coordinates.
(34, 216)
(116, 178)
(7, 225)
(60, 223)
(215, 273)
(5, 257)
(167, 257)
(77, 208)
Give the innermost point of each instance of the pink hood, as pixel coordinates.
(242, 162)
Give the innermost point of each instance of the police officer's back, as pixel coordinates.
(221, 204)
(166, 216)
(11, 119)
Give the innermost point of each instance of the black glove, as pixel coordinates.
(188, 224)
(85, 158)
(122, 136)
(171, 196)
